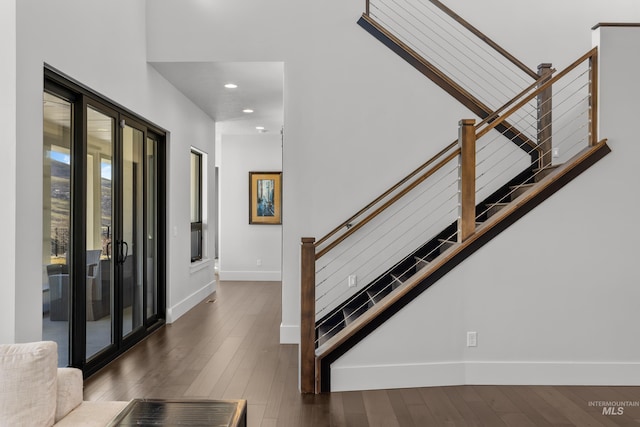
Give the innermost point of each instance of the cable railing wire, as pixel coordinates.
(380, 238)
(445, 64)
(467, 64)
(373, 229)
(443, 203)
(403, 30)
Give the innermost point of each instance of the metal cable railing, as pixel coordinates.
(456, 48)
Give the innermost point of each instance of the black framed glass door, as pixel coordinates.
(103, 172)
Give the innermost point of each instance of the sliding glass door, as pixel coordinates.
(103, 243)
(56, 202)
(132, 256)
(100, 280)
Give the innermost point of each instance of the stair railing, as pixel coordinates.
(568, 128)
(442, 191)
(462, 53)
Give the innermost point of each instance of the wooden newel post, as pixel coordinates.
(467, 179)
(593, 98)
(308, 315)
(545, 118)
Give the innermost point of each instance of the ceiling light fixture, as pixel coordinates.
(260, 127)
(247, 110)
(231, 85)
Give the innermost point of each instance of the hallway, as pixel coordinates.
(228, 347)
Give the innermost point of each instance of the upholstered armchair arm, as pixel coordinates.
(69, 391)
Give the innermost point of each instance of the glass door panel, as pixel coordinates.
(132, 246)
(56, 258)
(152, 229)
(99, 256)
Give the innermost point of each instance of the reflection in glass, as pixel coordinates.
(56, 223)
(99, 271)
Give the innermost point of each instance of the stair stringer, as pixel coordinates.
(337, 346)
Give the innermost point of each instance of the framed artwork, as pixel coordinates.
(265, 197)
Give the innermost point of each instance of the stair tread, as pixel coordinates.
(376, 297)
(350, 314)
(549, 167)
(447, 241)
(514, 187)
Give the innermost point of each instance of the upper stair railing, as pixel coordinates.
(462, 52)
(445, 190)
(455, 55)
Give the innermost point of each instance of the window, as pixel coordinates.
(196, 206)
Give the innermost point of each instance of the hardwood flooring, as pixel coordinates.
(228, 347)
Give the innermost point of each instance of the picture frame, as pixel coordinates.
(265, 197)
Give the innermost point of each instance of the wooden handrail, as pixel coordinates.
(444, 81)
(384, 195)
(389, 202)
(496, 113)
(485, 39)
(592, 53)
(495, 46)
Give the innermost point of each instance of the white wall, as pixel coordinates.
(8, 171)
(562, 309)
(243, 244)
(108, 55)
(356, 117)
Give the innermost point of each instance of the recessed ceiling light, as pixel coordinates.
(260, 127)
(231, 86)
(247, 110)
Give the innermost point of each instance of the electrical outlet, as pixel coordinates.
(352, 281)
(556, 153)
(259, 262)
(472, 339)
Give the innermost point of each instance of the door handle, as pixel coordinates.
(126, 251)
(123, 251)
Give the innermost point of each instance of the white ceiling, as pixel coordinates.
(260, 86)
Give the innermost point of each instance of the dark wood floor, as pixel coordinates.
(227, 348)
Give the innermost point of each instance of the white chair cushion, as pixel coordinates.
(69, 391)
(28, 382)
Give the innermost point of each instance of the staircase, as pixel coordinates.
(442, 212)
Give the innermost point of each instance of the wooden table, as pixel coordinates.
(182, 412)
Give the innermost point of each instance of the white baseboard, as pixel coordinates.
(179, 309)
(252, 276)
(553, 373)
(289, 334)
(352, 378)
